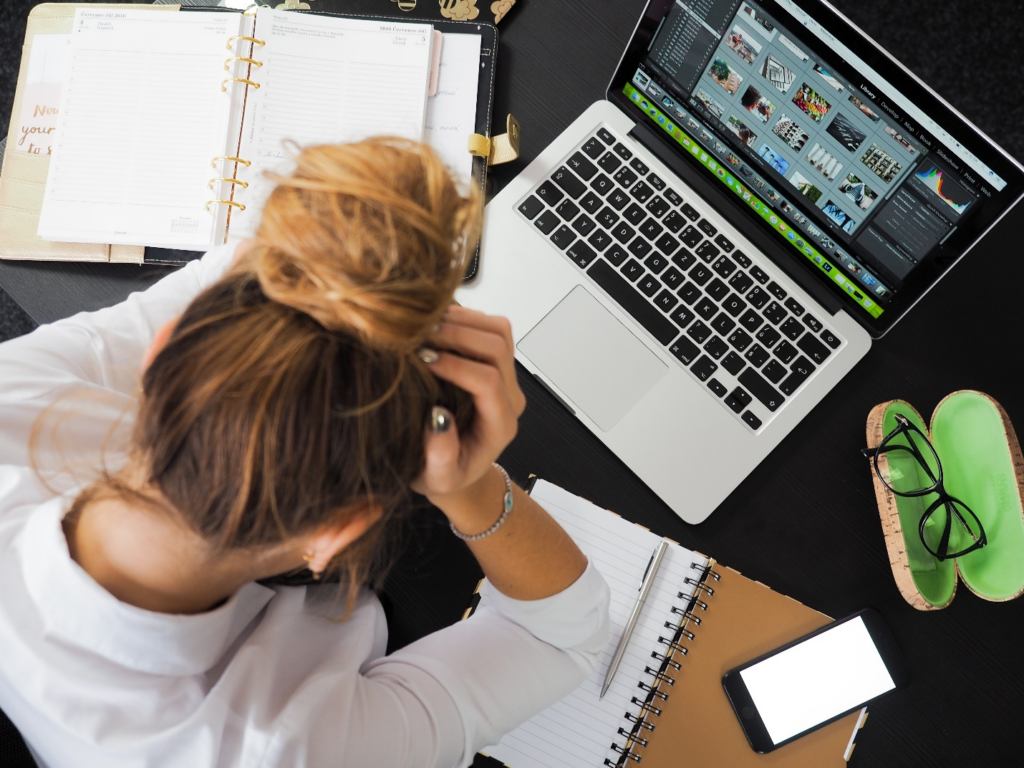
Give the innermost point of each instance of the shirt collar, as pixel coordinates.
(75, 610)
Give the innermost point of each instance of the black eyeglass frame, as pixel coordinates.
(951, 504)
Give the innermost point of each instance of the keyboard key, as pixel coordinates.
(698, 332)
(785, 352)
(717, 387)
(685, 350)
(757, 297)
(665, 300)
(584, 225)
(832, 340)
(605, 135)
(716, 347)
(581, 253)
(774, 371)
(751, 320)
(792, 382)
(656, 182)
(794, 306)
(648, 285)
(641, 191)
(757, 355)
(770, 397)
(759, 274)
(724, 267)
(704, 368)
(656, 262)
(593, 147)
(717, 289)
(607, 218)
(651, 229)
(734, 305)
(639, 247)
(622, 152)
(623, 232)
(569, 183)
(634, 214)
(681, 316)
(616, 255)
(707, 251)
(582, 166)
(591, 203)
(674, 222)
(684, 259)
(700, 274)
(530, 207)
(724, 243)
(723, 324)
(601, 184)
(638, 165)
(657, 206)
(567, 209)
(706, 308)
(752, 421)
(673, 197)
(774, 312)
(689, 293)
(813, 323)
(776, 290)
(546, 222)
(609, 163)
(691, 236)
(740, 339)
(738, 400)
(814, 349)
(562, 237)
(632, 270)
(625, 177)
(673, 278)
(659, 326)
(742, 259)
(707, 228)
(733, 363)
(792, 329)
(667, 244)
(768, 336)
(600, 239)
(803, 366)
(690, 212)
(741, 282)
(617, 199)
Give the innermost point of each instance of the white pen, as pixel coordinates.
(645, 588)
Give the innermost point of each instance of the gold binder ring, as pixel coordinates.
(244, 37)
(239, 206)
(213, 163)
(242, 184)
(224, 84)
(227, 62)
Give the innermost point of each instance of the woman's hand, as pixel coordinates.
(475, 352)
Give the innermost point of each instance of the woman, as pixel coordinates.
(289, 400)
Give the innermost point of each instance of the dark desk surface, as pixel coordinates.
(805, 521)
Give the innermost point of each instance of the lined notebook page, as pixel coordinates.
(142, 115)
(578, 731)
(451, 113)
(327, 80)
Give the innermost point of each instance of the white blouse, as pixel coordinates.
(266, 679)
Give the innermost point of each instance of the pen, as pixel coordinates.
(645, 588)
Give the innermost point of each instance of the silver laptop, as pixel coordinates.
(697, 260)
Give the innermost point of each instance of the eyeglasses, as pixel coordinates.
(918, 472)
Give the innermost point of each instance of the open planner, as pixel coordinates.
(666, 705)
(168, 121)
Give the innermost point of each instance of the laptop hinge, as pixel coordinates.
(724, 205)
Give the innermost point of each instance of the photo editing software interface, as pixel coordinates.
(860, 182)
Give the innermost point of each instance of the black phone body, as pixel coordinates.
(815, 680)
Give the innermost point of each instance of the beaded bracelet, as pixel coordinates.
(506, 508)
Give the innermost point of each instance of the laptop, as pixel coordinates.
(699, 258)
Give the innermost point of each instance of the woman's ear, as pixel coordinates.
(333, 538)
(160, 338)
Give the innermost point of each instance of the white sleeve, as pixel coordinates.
(95, 357)
(441, 699)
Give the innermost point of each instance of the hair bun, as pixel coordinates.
(370, 238)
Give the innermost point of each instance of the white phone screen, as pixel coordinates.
(817, 679)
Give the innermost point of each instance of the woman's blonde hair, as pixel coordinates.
(290, 390)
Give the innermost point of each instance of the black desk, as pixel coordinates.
(805, 521)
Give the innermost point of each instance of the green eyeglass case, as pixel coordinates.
(983, 467)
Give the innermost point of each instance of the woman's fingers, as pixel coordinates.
(442, 470)
(496, 412)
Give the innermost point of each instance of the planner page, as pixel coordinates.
(326, 80)
(142, 115)
(577, 732)
(451, 112)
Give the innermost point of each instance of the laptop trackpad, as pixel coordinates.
(592, 357)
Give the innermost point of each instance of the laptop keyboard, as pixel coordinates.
(661, 258)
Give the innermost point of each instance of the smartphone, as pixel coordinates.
(815, 680)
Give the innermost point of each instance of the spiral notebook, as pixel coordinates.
(666, 706)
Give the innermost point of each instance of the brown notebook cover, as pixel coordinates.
(697, 726)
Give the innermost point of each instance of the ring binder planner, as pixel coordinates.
(247, 38)
(239, 182)
(247, 81)
(213, 163)
(237, 205)
(230, 60)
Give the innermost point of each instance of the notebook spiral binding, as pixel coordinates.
(640, 722)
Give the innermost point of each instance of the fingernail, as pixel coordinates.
(428, 356)
(440, 419)
(436, 329)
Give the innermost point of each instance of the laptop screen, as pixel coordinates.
(861, 175)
